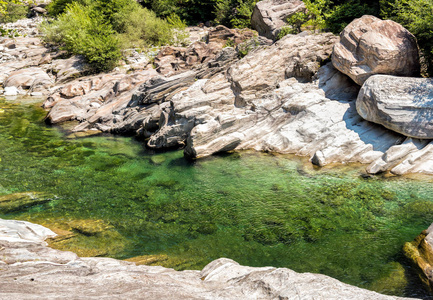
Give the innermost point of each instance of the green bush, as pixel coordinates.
(285, 31)
(100, 30)
(341, 15)
(82, 31)
(13, 12)
(192, 11)
(417, 17)
(57, 7)
(234, 13)
(141, 27)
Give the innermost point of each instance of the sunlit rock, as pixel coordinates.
(269, 16)
(371, 46)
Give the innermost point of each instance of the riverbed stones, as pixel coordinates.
(402, 104)
(369, 46)
(31, 269)
(269, 16)
(21, 201)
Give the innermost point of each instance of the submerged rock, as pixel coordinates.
(420, 252)
(371, 46)
(30, 269)
(21, 201)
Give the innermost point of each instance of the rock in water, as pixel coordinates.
(269, 16)
(30, 269)
(371, 46)
(420, 252)
(404, 105)
(20, 201)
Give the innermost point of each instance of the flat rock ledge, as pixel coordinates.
(31, 270)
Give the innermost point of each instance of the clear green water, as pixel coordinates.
(258, 209)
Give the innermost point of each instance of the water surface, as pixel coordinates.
(258, 209)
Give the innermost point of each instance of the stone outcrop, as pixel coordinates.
(94, 98)
(222, 35)
(277, 98)
(281, 97)
(32, 79)
(402, 104)
(173, 60)
(269, 16)
(369, 46)
(420, 252)
(30, 269)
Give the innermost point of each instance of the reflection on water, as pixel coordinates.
(117, 199)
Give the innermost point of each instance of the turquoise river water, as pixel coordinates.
(258, 209)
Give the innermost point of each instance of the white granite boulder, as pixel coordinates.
(369, 46)
(402, 104)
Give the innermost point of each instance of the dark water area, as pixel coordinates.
(258, 209)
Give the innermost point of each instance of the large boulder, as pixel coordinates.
(402, 104)
(269, 16)
(369, 46)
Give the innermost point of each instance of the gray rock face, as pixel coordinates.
(29, 270)
(371, 46)
(402, 104)
(269, 16)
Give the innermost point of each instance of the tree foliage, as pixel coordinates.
(99, 30)
(417, 17)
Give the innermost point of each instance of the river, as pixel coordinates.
(259, 209)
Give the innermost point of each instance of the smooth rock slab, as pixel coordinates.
(369, 46)
(404, 105)
(31, 270)
(33, 79)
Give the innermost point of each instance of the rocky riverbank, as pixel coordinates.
(283, 97)
(30, 269)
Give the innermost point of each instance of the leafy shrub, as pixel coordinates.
(57, 7)
(13, 11)
(234, 13)
(82, 31)
(100, 30)
(341, 15)
(192, 11)
(285, 31)
(245, 47)
(417, 17)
